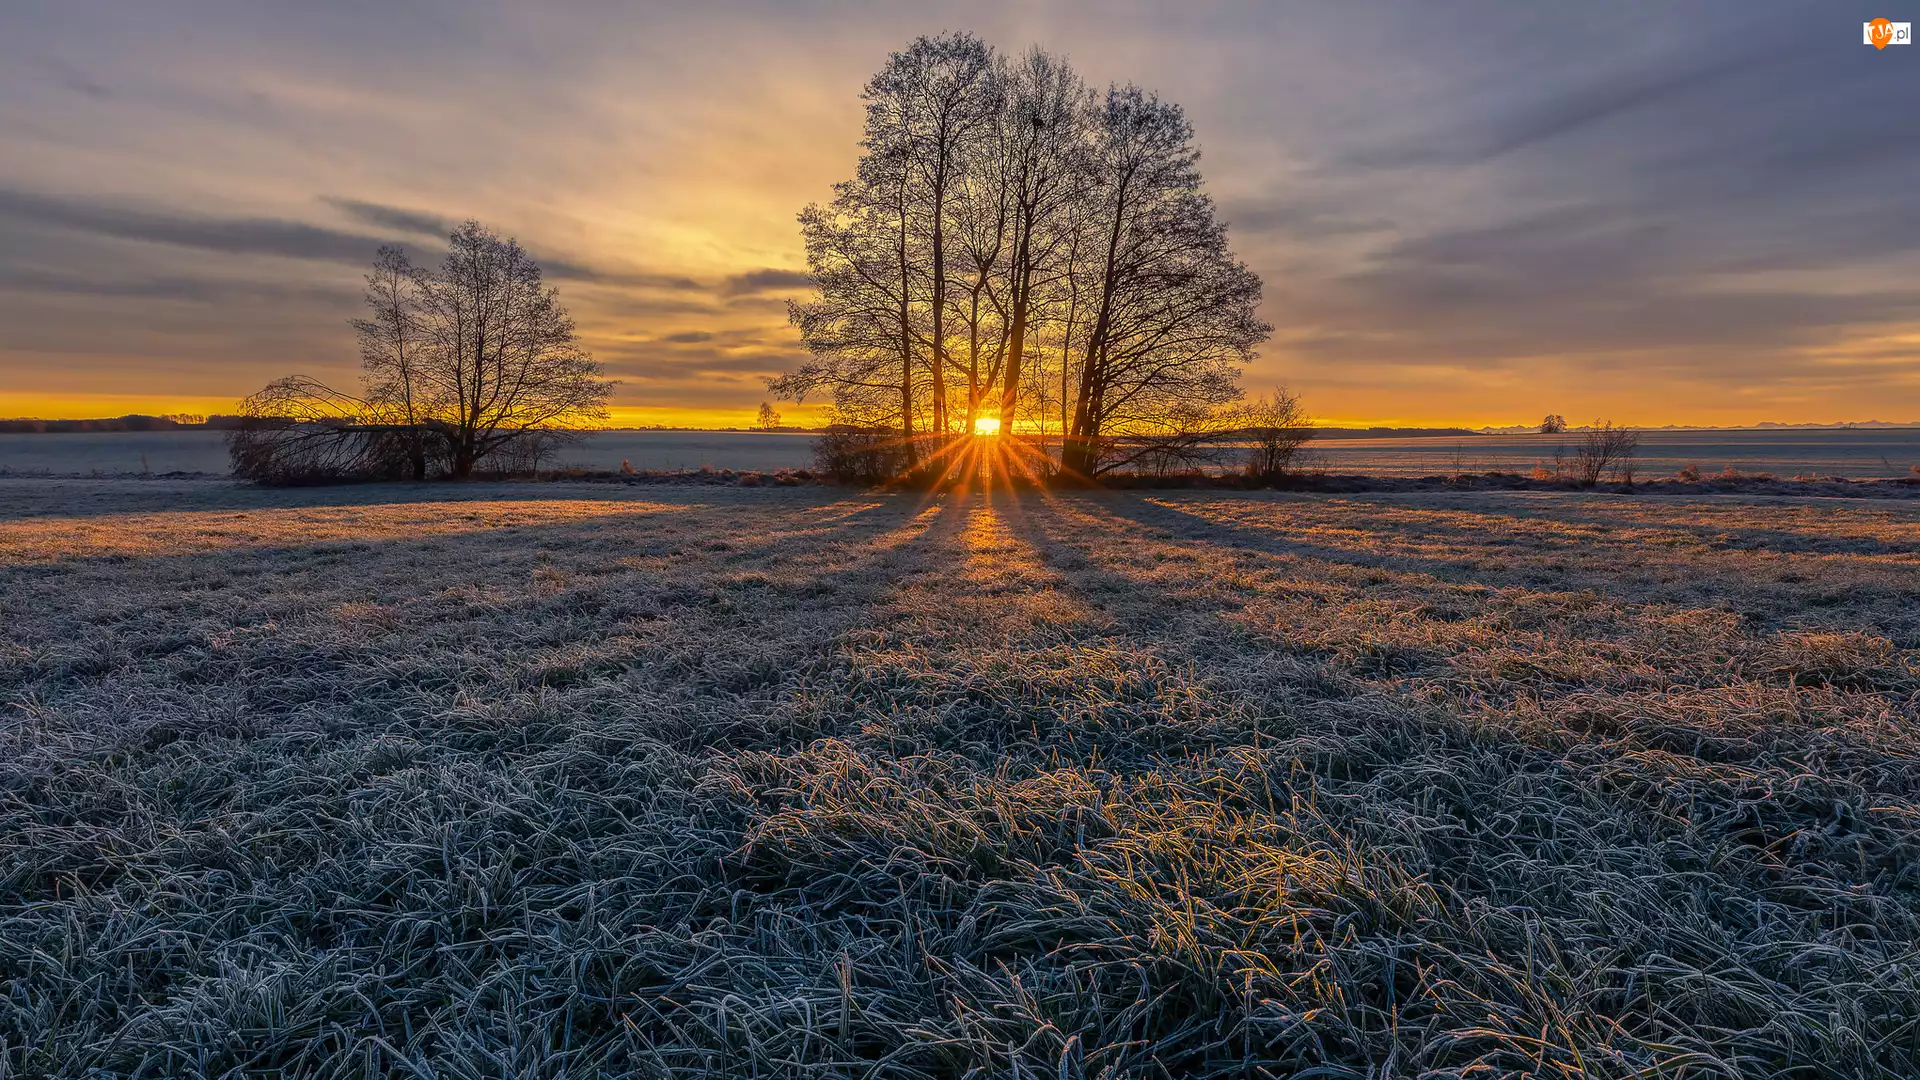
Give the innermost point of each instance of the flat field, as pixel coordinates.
(545, 781)
(1858, 453)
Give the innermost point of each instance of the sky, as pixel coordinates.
(1464, 213)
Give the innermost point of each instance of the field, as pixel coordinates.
(198, 451)
(1858, 453)
(545, 781)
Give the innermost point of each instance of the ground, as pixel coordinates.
(542, 781)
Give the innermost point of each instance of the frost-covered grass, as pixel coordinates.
(542, 781)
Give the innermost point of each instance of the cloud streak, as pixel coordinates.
(229, 235)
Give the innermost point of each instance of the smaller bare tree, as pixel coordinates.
(472, 366)
(1553, 424)
(1606, 447)
(769, 418)
(1276, 427)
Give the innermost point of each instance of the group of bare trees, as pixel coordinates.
(1015, 247)
(469, 365)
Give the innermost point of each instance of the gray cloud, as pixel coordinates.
(290, 239)
(170, 288)
(765, 280)
(394, 218)
(569, 270)
(1536, 119)
(236, 236)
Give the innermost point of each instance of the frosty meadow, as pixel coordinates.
(543, 781)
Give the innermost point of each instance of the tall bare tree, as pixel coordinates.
(1173, 313)
(860, 353)
(980, 212)
(940, 97)
(1004, 227)
(1041, 132)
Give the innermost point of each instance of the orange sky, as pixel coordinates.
(1459, 221)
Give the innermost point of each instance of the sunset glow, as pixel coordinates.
(185, 216)
(987, 425)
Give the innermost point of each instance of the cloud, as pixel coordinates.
(164, 287)
(765, 280)
(394, 218)
(234, 236)
(571, 270)
(1541, 118)
(689, 338)
(289, 239)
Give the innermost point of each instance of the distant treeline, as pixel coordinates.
(230, 422)
(1390, 432)
(132, 422)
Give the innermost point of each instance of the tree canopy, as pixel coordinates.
(1046, 247)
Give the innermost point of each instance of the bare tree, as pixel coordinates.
(1173, 313)
(980, 212)
(300, 431)
(1042, 139)
(938, 98)
(860, 357)
(504, 352)
(460, 363)
(1004, 229)
(1276, 427)
(1187, 436)
(392, 349)
(769, 418)
(1553, 424)
(1606, 447)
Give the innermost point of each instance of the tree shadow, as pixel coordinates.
(59, 497)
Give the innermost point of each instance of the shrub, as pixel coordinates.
(859, 455)
(284, 454)
(1690, 473)
(1276, 428)
(1606, 447)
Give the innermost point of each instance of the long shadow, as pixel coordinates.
(1576, 526)
(1407, 734)
(1485, 557)
(40, 499)
(1155, 516)
(740, 619)
(842, 513)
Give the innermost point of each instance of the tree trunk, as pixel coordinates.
(906, 337)
(973, 361)
(1017, 340)
(939, 307)
(1086, 414)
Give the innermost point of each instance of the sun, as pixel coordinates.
(987, 425)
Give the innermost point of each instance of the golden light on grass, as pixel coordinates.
(986, 425)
